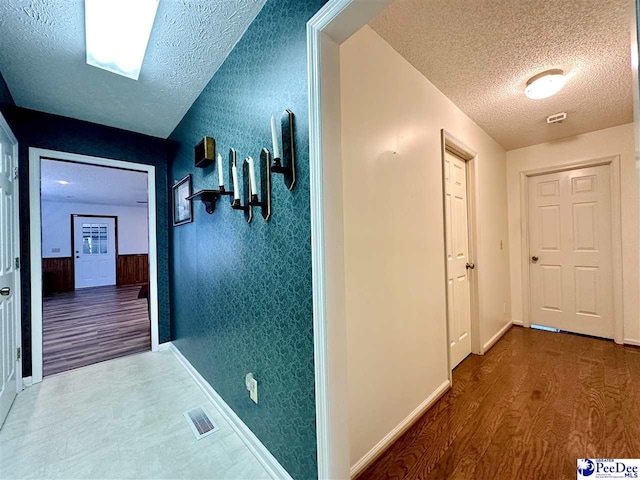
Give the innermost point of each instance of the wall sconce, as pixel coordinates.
(240, 198)
(210, 197)
(264, 201)
(285, 163)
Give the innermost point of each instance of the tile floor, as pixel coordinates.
(120, 419)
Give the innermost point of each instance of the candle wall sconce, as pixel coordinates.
(240, 197)
(208, 199)
(264, 201)
(287, 164)
(205, 152)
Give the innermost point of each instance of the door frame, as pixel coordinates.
(17, 293)
(73, 241)
(616, 235)
(470, 157)
(336, 21)
(35, 247)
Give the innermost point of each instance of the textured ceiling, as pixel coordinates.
(481, 53)
(42, 58)
(92, 184)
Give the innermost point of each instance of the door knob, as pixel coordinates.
(471, 266)
(5, 292)
(534, 259)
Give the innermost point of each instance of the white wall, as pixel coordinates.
(133, 234)
(393, 235)
(603, 143)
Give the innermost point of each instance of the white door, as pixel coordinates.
(457, 233)
(95, 251)
(9, 276)
(571, 271)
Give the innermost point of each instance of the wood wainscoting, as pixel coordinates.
(132, 269)
(57, 275)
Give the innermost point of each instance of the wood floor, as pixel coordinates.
(530, 408)
(91, 325)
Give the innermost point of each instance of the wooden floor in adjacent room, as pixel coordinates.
(529, 408)
(91, 325)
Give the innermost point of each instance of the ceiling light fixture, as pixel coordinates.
(545, 84)
(63, 182)
(117, 34)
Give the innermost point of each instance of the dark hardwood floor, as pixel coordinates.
(529, 408)
(91, 325)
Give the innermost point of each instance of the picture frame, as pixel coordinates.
(182, 206)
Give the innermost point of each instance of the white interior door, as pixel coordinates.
(9, 299)
(94, 251)
(457, 237)
(570, 243)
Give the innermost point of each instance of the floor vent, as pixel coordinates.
(200, 423)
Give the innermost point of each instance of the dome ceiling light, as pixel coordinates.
(545, 84)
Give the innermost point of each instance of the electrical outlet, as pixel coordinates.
(253, 393)
(252, 385)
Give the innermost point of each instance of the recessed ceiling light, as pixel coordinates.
(63, 182)
(117, 34)
(545, 84)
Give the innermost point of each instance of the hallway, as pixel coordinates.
(530, 408)
(91, 325)
(120, 419)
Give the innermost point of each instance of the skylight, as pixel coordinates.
(117, 34)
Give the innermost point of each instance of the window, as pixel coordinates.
(94, 239)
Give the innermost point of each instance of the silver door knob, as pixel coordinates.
(471, 266)
(5, 292)
(534, 259)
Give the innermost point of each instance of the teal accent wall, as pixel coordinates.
(6, 100)
(241, 293)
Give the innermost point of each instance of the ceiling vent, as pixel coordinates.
(557, 117)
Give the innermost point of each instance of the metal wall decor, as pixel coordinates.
(205, 152)
(245, 192)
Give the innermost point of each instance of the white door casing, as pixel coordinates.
(457, 251)
(570, 250)
(94, 251)
(10, 365)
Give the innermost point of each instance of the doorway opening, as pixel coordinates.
(94, 281)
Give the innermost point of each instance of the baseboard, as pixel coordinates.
(27, 382)
(266, 459)
(518, 322)
(629, 341)
(497, 337)
(164, 346)
(390, 437)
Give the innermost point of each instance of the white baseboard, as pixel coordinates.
(27, 382)
(390, 437)
(497, 337)
(164, 346)
(268, 461)
(518, 322)
(629, 341)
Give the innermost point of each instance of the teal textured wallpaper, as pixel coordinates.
(241, 293)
